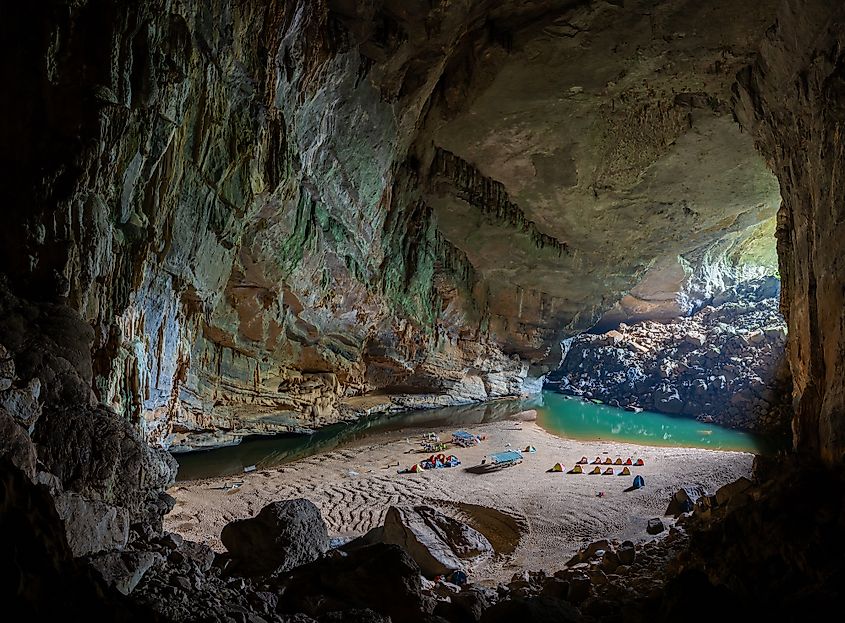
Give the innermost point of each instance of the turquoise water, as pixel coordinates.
(566, 417)
(574, 419)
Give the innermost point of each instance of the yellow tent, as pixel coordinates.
(576, 470)
(596, 470)
(618, 460)
(557, 468)
(625, 471)
(607, 461)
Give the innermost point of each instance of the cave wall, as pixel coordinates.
(793, 100)
(277, 215)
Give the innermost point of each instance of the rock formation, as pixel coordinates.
(791, 100)
(264, 212)
(725, 364)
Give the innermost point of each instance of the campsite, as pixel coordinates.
(533, 517)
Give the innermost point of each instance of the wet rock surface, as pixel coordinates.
(725, 364)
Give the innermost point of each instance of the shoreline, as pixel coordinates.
(535, 519)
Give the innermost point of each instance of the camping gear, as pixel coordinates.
(596, 470)
(583, 460)
(457, 577)
(413, 469)
(608, 461)
(625, 471)
(597, 461)
(639, 463)
(600, 494)
(576, 470)
(506, 459)
(464, 439)
(557, 467)
(530, 449)
(629, 461)
(639, 483)
(618, 461)
(608, 472)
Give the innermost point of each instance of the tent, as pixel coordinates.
(618, 461)
(639, 463)
(530, 449)
(629, 461)
(597, 461)
(557, 467)
(607, 461)
(576, 470)
(596, 470)
(625, 471)
(639, 483)
(464, 439)
(583, 460)
(608, 472)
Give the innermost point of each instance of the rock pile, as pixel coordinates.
(725, 364)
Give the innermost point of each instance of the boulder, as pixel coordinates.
(655, 526)
(124, 570)
(282, 536)
(7, 369)
(381, 577)
(15, 444)
(438, 544)
(731, 490)
(684, 499)
(92, 526)
(626, 552)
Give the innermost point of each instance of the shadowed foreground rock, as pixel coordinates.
(282, 536)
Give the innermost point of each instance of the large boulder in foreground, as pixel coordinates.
(282, 536)
(380, 577)
(438, 544)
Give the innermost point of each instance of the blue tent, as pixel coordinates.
(639, 483)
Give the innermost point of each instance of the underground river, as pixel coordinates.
(561, 415)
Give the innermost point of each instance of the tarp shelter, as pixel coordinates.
(625, 471)
(608, 472)
(639, 483)
(618, 461)
(596, 470)
(464, 439)
(639, 463)
(576, 470)
(583, 460)
(503, 459)
(557, 467)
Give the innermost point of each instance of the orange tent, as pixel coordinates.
(629, 461)
(639, 463)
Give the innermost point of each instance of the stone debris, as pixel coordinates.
(725, 364)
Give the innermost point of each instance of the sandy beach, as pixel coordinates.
(534, 519)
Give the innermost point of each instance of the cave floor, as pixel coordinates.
(534, 519)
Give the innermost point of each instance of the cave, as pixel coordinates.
(278, 239)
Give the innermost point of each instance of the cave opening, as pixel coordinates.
(454, 312)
